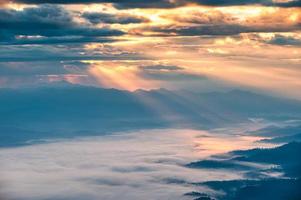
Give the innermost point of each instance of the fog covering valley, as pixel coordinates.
(76, 142)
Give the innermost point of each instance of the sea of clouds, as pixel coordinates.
(131, 166)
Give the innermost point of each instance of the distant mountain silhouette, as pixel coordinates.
(274, 131)
(280, 189)
(219, 164)
(274, 189)
(287, 156)
(278, 155)
(199, 196)
(284, 139)
(64, 110)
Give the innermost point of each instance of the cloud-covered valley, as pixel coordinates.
(134, 165)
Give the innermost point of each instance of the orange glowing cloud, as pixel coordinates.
(114, 75)
(236, 44)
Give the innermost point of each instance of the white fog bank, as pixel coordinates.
(130, 166)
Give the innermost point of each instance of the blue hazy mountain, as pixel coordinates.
(219, 164)
(66, 110)
(283, 139)
(276, 131)
(286, 156)
(275, 189)
(250, 104)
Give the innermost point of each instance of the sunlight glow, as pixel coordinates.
(117, 76)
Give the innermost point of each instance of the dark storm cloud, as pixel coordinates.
(56, 57)
(288, 4)
(56, 40)
(294, 3)
(168, 3)
(283, 40)
(217, 29)
(48, 21)
(117, 3)
(147, 4)
(35, 53)
(97, 17)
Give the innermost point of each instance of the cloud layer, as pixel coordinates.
(41, 24)
(146, 164)
(171, 4)
(181, 44)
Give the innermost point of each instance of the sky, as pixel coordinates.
(199, 45)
